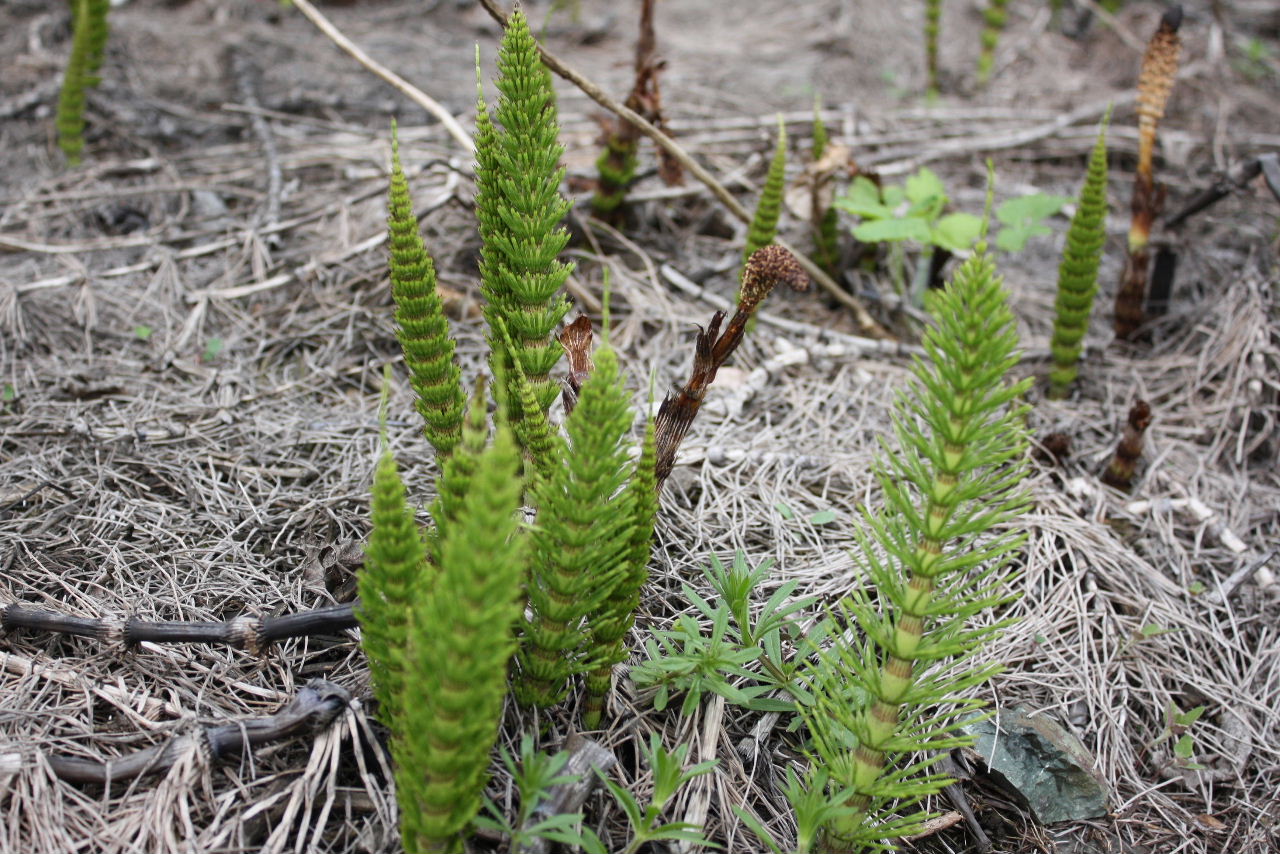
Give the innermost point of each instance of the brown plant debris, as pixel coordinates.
(766, 268)
(576, 340)
(1155, 82)
(1120, 470)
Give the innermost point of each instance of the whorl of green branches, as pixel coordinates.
(934, 561)
(994, 17)
(88, 46)
(583, 537)
(616, 167)
(520, 209)
(932, 27)
(461, 640)
(826, 240)
(1078, 272)
(616, 615)
(421, 325)
(391, 579)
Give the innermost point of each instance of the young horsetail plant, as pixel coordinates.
(994, 17)
(934, 561)
(421, 325)
(1078, 273)
(823, 218)
(932, 27)
(520, 209)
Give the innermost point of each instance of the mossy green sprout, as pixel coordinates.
(1078, 272)
(520, 209)
(936, 556)
(421, 326)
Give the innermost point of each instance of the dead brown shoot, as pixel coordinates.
(1120, 470)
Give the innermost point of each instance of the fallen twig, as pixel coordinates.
(254, 634)
(422, 99)
(314, 708)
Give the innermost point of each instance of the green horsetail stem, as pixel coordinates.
(826, 230)
(617, 614)
(583, 536)
(421, 326)
(933, 563)
(460, 644)
(520, 210)
(1078, 272)
(88, 45)
(391, 579)
(932, 27)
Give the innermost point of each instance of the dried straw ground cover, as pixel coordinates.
(193, 326)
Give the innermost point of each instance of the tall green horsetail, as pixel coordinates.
(583, 537)
(764, 223)
(421, 326)
(460, 643)
(934, 560)
(520, 209)
(1078, 273)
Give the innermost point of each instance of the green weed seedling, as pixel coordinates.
(1023, 218)
(535, 775)
(1177, 726)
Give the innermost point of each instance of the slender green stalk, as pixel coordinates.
(1078, 272)
(994, 18)
(88, 43)
(934, 561)
(421, 325)
(520, 209)
(460, 642)
(932, 27)
(764, 224)
(826, 230)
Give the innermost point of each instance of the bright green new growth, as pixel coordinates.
(519, 207)
(616, 615)
(994, 17)
(460, 643)
(764, 224)
(933, 563)
(88, 45)
(1078, 273)
(583, 540)
(393, 574)
(826, 232)
(421, 325)
(616, 167)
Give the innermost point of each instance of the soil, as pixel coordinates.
(191, 357)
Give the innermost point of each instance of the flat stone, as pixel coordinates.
(1043, 762)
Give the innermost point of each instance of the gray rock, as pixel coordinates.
(1044, 763)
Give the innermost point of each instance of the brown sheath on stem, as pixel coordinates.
(576, 340)
(767, 267)
(1120, 470)
(1155, 82)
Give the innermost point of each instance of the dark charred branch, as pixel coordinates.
(315, 707)
(250, 633)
